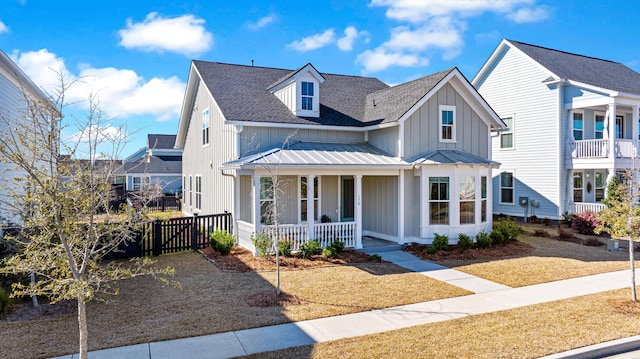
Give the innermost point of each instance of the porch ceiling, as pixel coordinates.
(320, 154)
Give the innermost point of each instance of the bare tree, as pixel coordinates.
(62, 194)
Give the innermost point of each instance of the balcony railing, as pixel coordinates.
(325, 233)
(584, 206)
(623, 148)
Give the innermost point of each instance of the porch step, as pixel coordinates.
(385, 248)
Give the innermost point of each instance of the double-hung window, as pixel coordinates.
(266, 201)
(439, 200)
(577, 186)
(447, 123)
(467, 199)
(506, 136)
(599, 129)
(578, 126)
(506, 188)
(205, 127)
(137, 183)
(307, 95)
(483, 199)
(601, 183)
(304, 198)
(198, 192)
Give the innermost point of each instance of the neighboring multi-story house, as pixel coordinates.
(15, 89)
(158, 165)
(349, 155)
(572, 126)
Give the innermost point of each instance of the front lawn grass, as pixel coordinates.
(212, 301)
(527, 332)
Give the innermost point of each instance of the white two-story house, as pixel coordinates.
(349, 155)
(572, 126)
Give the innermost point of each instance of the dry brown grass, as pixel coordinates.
(213, 301)
(528, 332)
(551, 260)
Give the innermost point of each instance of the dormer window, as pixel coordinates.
(307, 95)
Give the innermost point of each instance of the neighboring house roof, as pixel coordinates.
(156, 141)
(443, 156)
(563, 65)
(320, 154)
(169, 165)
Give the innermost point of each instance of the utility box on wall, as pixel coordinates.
(613, 245)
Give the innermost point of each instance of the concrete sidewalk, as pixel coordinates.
(489, 297)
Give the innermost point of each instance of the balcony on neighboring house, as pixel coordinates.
(599, 148)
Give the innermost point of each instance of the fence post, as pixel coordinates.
(157, 237)
(194, 232)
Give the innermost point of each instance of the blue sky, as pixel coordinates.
(135, 55)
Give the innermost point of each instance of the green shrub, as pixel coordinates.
(497, 237)
(4, 302)
(440, 242)
(375, 258)
(330, 251)
(338, 245)
(464, 242)
(222, 241)
(483, 240)
(284, 248)
(431, 250)
(263, 243)
(310, 248)
(508, 228)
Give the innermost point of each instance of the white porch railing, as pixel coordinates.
(325, 233)
(591, 148)
(583, 206)
(626, 148)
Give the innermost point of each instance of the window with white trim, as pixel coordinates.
(578, 187)
(307, 95)
(506, 136)
(198, 192)
(303, 198)
(599, 128)
(438, 200)
(483, 199)
(506, 188)
(601, 183)
(578, 126)
(205, 127)
(447, 123)
(266, 200)
(467, 199)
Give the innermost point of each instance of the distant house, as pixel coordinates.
(572, 126)
(351, 156)
(15, 89)
(157, 164)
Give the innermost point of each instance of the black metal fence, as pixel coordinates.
(159, 237)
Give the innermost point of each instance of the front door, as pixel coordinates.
(347, 199)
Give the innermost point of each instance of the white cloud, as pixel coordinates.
(420, 10)
(528, 15)
(380, 59)
(314, 42)
(3, 28)
(262, 22)
(350, 35)
(185, 35)
(439, 33)
(120, 92)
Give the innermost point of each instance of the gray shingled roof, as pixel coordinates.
(450, 157)
(240, 91)
(593, 71)
(321, 154)
(393, 102)
(161, 142)
(157, 164)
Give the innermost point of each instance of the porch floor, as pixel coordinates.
(372, 245)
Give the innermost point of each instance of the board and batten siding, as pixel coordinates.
(258, 139)
(514, 88)
(422, 128)
(380, 206)
(205, 161)
(385, 139)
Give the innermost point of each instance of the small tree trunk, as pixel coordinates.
(34, 298)
(82, 326)
(632, 264)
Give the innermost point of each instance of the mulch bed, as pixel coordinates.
(241, 260)
(270, 298)
(23, 309)
(456, 253)
(625, 306)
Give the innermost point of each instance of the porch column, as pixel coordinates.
(634, 129)
(255, 217)
(235, 211)
(358, 211)
(570, 192)
(612, 130)
(572, 140)
(401, 207)
(310, 201)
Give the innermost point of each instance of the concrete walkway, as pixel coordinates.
(489, 297)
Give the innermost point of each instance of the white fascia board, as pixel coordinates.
(311, 127)
(477, 103)
(23, 81)
(187, 105)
